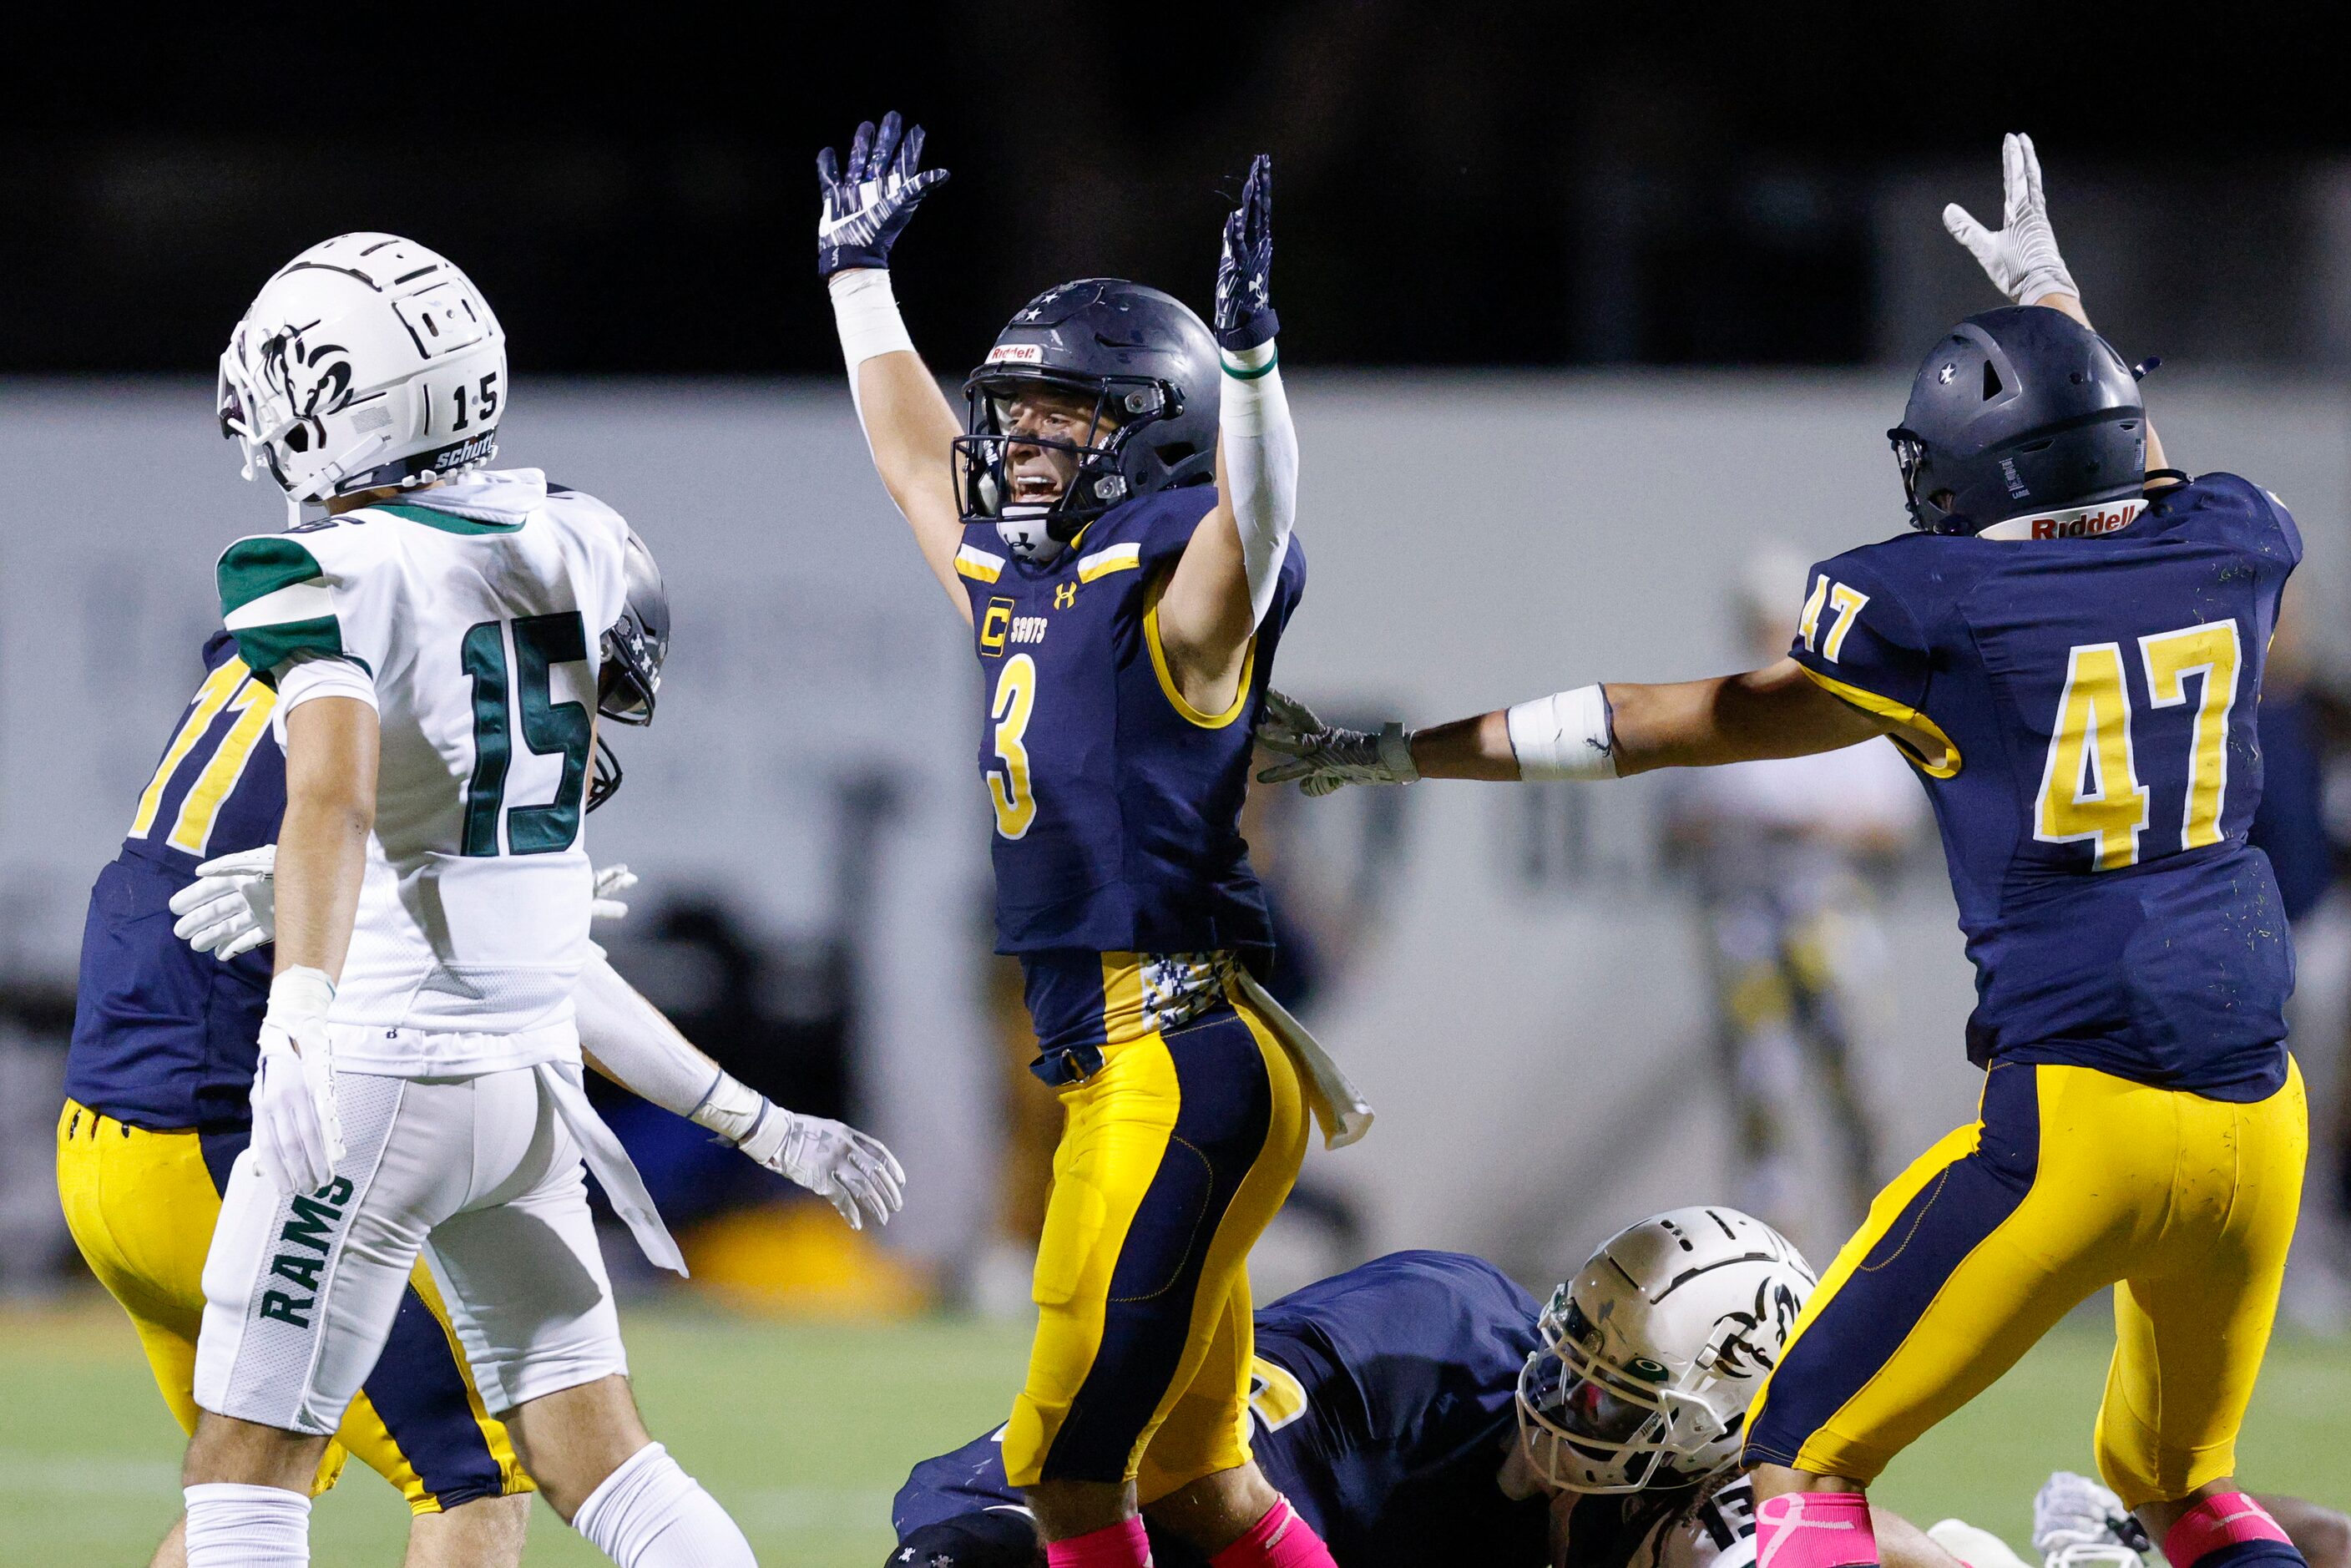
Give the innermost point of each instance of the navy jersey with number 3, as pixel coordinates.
(2083, 711)
(1117, 804)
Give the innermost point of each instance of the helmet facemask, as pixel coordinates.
(1589, 1424)
(629, 665)
(1102, 465)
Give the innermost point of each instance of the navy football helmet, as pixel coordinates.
(629, 663)
(2018, 410)
(1147, 363)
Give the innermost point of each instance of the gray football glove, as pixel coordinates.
(1323, 757)
(849, 1169)
(2076, 1521)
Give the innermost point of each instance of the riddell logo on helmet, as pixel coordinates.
(2076, 523)
(1015, 354)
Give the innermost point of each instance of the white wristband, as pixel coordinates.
(1564, 735)
(866, 311)
(299, 996)
(732, 1109)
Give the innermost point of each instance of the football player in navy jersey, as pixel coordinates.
(1111, 520)
(2068, 650)
(1421, 1408)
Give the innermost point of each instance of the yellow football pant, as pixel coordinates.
(1175, 1156)
(141, 1206)
(2072, 1180)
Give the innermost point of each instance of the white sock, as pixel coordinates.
(651, 1514)
(234, 1526)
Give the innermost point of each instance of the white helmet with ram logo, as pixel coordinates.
(368, 360)
(1651, 1354)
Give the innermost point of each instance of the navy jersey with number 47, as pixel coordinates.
(164, 1037)
(1382, 1409)
(1117, 803)
(2083, 711)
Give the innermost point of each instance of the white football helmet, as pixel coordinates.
(367, 360)
(1652, 1353)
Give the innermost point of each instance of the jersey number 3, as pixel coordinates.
(2090, 789)
(548, 728)
(1009, 788)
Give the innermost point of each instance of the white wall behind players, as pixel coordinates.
(1473, 539)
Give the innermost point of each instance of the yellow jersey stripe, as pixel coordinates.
(1102, 562)
(1941, 765)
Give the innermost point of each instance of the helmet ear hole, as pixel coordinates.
(1991, 388)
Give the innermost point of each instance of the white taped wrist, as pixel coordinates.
(732, 1109)
(299, 996)
(865, 308)
(1564, 735)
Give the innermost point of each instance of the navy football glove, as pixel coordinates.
(1245, 317)
(867, 205)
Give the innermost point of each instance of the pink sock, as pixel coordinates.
(1815, 1530)
(2224, 1520)
(1280, 1539)
(1123, 1545)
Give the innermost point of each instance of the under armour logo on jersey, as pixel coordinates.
(1065, 596)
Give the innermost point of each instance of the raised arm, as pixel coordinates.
(909, 427)
(1224, 585)
(2022, 258)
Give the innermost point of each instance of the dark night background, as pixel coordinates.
(1463, 184)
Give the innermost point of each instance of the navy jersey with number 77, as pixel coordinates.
(2082, 711)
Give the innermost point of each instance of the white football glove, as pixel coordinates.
(1323, 757)
(610, 882)
(1974, 1546)
(232, 906)
(849, 1169)
(2077, 1521)
(2021, 257)
(296, 1136)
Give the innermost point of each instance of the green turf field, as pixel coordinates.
(803, 1432)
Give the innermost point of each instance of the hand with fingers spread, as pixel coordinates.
(232, 906)
(1245, 314)
(1323, 757)
(849, 1169)
(867, 203)
(605, 902)
(2021, 256)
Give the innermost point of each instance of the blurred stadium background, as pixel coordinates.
(1593, 329)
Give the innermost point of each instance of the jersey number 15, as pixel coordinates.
(548, 728)
(2090, 789)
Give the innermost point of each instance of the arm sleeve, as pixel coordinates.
(1261, 466)
(641, 1050)
(1857, 637)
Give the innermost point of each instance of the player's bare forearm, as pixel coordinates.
(1772, 712)
(911, 432)
(1205, 616)
(2320, 1533)
(331, 775)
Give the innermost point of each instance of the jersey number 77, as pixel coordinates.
(2090, 789)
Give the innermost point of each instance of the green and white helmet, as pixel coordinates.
(367, 360)
(1652, 1353)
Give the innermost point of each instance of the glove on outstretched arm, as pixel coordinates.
(633, 1044)
(868, 204)
(1259, 442)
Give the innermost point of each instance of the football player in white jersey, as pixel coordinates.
(441, 641)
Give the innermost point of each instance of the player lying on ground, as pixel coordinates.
(1112, 521)
(417, 1089)
(2069, 651)
(1416, 1411)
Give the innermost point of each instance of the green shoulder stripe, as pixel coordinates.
(274, 600)
(448, 522)
(255, 568)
